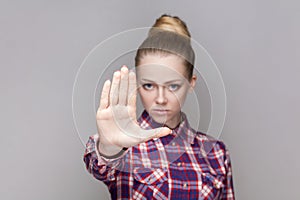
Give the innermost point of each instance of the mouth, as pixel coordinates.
(160, 111)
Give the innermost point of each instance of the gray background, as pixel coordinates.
(255, 44)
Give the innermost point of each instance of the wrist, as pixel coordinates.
(115, 155)
(110, 151)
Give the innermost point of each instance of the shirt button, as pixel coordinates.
(173, 143)
(185, 185)
(179, 164)
(216, 184)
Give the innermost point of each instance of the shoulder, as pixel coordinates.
(210, 143)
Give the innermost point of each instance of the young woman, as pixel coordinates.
(158, 155)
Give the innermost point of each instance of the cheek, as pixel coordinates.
(179, 97)
(146, 97)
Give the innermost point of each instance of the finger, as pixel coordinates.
(114, 89)
(131, 95)
(154, 133)
(138, 135)
(104, 101)
(123, 86)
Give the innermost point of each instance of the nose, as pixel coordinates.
(161, 98)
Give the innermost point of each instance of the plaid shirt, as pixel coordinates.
(183, 165)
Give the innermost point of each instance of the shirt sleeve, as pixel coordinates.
(228, 191)
(101, 168)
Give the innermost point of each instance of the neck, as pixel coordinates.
(175, 121)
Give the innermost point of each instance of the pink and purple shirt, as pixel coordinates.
(185, 164)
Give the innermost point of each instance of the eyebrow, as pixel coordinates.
(164, 83)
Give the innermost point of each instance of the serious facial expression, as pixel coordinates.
(163, 87)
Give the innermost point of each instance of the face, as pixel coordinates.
(163, 87)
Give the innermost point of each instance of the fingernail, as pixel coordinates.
(124, 68)
(117, 73)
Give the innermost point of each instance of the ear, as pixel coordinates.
(193, 83)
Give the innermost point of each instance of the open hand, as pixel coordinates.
(116, 116)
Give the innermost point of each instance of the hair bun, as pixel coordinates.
(170, 23)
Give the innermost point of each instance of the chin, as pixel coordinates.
(160, 119)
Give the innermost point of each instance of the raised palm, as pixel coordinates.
(116, 116)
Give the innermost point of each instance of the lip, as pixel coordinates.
(160, 111)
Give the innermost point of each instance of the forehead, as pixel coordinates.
(161, 68)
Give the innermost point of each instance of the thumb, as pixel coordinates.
(155, 133)
(161, 132)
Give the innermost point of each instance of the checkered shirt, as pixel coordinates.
(185, 164)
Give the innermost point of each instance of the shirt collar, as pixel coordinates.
(183, 129)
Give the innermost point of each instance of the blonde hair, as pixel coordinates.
(168, 35)
(170, 23)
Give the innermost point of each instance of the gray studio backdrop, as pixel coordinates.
(255, 45)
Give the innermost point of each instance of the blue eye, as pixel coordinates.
(148, 86)
(174, 87)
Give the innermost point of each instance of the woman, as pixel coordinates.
(158, 155)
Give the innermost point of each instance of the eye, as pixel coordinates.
(148, 86)
(174, 87)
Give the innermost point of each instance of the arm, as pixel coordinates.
(101, 168)
(117, 127)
